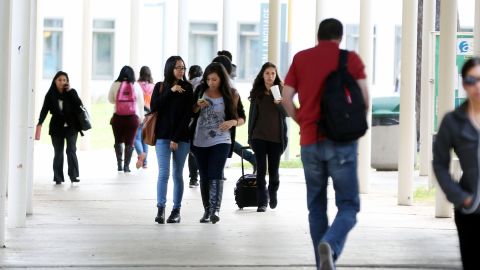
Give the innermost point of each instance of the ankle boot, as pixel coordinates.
(119, 152)
(160, 218)
(174, 216)
(206, 216)
(128, 157)
(216, 193)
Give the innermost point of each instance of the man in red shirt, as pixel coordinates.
(321, 157)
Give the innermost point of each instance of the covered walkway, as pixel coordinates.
(106, 222)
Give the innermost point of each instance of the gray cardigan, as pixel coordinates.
(457, 132)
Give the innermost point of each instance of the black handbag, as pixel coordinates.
(84, 118)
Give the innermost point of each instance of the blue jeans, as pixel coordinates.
(339, 161)
(164, 152)
(140, 146)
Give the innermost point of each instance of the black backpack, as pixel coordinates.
(343, 112)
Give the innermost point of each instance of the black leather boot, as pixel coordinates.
(128, 157)
(216, 192)
(204, 190)
(160, 219)
(174, 216)
(119, 152)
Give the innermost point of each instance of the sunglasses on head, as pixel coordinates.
(470, 80)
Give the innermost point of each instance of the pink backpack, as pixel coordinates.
(126, 99)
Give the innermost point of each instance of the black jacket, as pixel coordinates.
(457, 132)
(252, 121)
(174, 111)
(71, 106)
(199, 91)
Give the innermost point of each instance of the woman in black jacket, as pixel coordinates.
(267, 133)
(63, 103)
(460, 131)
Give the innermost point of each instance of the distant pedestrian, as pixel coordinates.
(146, 83)
(195, 78)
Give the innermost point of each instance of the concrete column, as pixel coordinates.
(183, 30)
(4, 109)
(476, 29)
(446, 81)
(274, 32)
(134, 34)
(33, 88)
(18, 127)
(320, 13)
(229, 28)
(286, 155)
(366, 50)
(86, 65)
(407, 149)
(426, 113)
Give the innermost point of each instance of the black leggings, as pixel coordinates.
(265, 150)
(468, 227)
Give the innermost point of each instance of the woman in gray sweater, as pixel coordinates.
(460, 131)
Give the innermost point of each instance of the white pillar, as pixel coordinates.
(33, 88)
(366, 50)
(407, 144)
(19, 116)
(320, 13)
(286, 154)
(446, 81)
(86, 65)
(4, 109)
(274, 32)
(183, 30)
(229, 28)
(427, 95)
(134, 34)
(476, 29)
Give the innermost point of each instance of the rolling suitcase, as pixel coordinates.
(246, 189)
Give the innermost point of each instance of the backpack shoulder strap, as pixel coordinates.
(343, 58)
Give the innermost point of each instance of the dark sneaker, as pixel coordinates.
(326, 256)
(193, 183)
(262, 209)
(273, 200)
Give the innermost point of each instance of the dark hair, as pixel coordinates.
(126, 74)
(194, 72)
(227, 54)
(471, 63)
(53, 86)
(259, 88)
(330, 29)
(225, 61)
(170, 67)
(225, 89)
(145, 75)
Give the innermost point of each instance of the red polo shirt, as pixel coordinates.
(307, 76)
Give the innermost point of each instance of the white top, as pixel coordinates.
(112, 96)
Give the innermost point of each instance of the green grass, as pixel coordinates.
(290, 164)
(101, 135)
(423, 194)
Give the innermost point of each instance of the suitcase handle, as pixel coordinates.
(241, 155)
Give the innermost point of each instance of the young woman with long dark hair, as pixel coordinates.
(213, 134)
(172, 99)
(267, 133)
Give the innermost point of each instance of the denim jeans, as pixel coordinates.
(164, 153)
(140, 146)
(339, 161)
(211, 161)
(247, 155)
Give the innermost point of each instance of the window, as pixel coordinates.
(103, 49)
(352, 44)
(52, 47)
(249, 44)
(398, 55)
(203, 43)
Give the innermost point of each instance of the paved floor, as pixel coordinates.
(107, 222)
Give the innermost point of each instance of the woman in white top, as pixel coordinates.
(127, 96)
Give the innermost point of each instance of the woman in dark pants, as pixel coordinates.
(62, 102)
(213, 134)
(124, 125)
(267, 133)
(460, 131)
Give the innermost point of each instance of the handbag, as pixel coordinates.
(149, 123)
(84, 119)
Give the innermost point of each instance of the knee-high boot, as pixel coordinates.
(119, 152)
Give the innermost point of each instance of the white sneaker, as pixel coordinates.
(326, 257)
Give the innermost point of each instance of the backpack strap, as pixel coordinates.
(343, 58)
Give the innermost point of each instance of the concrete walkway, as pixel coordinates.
(107, 222)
